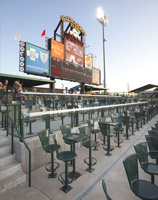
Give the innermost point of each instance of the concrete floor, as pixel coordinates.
(88, 186)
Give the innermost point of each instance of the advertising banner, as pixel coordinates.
(88, 62)
(57, 49)
(37, 60)
(96, 76)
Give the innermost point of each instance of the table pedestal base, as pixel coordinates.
(66, 188)
(90, 170)
(74, 176)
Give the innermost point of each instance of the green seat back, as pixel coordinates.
(103, 128)
(44, 137)
(153, 132)
(47, 103)
(101, 119)
(90, 123)
(105, 190)
(152, 142)
(141, 150)
(29, 104)
(85, 130)
(131, 167)
(65, 129)
(56, 145)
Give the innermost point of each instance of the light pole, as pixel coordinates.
(103, 20)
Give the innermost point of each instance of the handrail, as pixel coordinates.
(36, 114)
(68, 94)
(22, 139)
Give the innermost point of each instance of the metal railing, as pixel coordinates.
(13, 126)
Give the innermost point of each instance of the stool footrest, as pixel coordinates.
(106, 148)
(120, 141)
(93, 161)
(61, 178)
(48, 167)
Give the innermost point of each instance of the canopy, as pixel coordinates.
(27, 81)
(143, 88)
(88, 88)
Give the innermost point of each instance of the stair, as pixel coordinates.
(11, 173)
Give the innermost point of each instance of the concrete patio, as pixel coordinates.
(88, 186)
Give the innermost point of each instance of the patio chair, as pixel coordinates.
(152, 141)
(149, 168)
(105, 190)
(141, 188)
(153, 132)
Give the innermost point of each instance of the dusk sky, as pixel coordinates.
(132, 36)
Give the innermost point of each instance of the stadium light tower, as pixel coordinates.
(103, 20)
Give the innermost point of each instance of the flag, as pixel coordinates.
(17, 36)
(91, 55)
(43, 33)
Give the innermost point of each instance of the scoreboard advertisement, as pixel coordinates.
(37, 60)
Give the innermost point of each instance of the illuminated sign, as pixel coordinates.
(88, 62)
(96, 76)
(57, 49)
(74, 53)
(37, 60)
(74, 33)
(71, 37)
(73, 24)
(21, 56)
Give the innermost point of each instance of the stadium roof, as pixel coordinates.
(143, 88)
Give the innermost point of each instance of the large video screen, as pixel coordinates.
(74, 53)
(37, 60)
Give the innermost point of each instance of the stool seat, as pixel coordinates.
(89, 144)
(90, 161)
(117, 128)
(94, 131)
(66, 156)
(153, 154)
(50, 148)
(29, 120)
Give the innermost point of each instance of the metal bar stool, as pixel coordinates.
(49, 148)
(90, 161)
(94, 131)
(65, 156)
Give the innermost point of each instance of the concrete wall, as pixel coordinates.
(38, 157)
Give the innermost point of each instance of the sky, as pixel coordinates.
(131, 46)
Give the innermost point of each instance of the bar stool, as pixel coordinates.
(118, 128)
(93, 131)
(65, 156)
(90, 161)
(104, 130)
(49, 148)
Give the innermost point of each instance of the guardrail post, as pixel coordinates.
(21, 125)
(29, 168)
(12, 137)
(47, 124)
